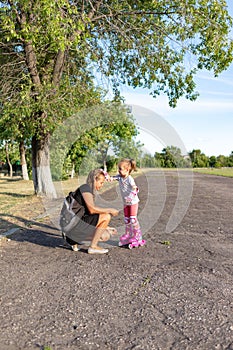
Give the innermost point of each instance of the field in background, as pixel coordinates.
(228, 172)
(19, 206)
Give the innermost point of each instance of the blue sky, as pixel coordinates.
(206, 124)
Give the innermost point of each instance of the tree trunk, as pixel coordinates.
(42, 179)
(23, 161)
(8, 160)
(105, 165)
(72, 172)
(104, 153)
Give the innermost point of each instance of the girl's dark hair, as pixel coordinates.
(92, 176)
(131, 163)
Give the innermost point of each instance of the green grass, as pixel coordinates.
(20, 207)
(228, 172)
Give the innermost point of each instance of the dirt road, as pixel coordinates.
(175, 293)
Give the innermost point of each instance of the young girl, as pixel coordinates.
(129, 193)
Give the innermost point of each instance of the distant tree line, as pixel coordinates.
(106, 153)
(171, 157)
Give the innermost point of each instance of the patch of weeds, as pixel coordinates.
(146, 280)
(165, 243)
(28, 224)
(42, 218)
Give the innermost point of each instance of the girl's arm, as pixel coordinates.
(133, 185)
(110, 178)
(134, 190)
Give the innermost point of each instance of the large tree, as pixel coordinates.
(198, 159)
(110, 124)
(51, 50)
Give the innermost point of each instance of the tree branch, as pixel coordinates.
(58, 67)
(31, 63)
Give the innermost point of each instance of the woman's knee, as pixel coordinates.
(104, 218)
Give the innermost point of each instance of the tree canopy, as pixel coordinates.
(52, 52)
(47, 46)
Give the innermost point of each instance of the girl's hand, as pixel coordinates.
(131, 196)
(108, 178)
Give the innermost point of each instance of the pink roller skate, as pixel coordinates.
(125, 239)
(135, 243)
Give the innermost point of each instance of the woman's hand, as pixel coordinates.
(93, 209)
(113, 212)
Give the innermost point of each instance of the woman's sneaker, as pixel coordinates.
(97, 250)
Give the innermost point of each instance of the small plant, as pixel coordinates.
(146, 280)
(166, 242)
(28, 224)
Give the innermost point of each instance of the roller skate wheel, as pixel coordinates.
(122, 244)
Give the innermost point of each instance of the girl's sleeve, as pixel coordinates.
(132, 182)
(115, 177)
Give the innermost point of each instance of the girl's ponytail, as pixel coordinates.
(133, 165)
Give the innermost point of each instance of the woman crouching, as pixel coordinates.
(94, 224)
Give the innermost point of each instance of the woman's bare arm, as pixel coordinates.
(93, 209)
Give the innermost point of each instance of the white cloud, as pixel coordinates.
(160, 104)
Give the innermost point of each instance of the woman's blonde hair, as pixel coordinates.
(130, 162)
(92, 176)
